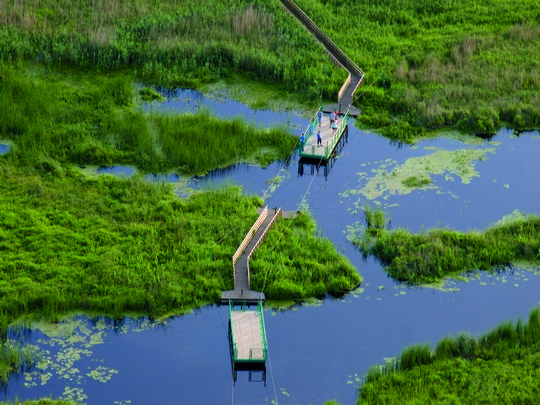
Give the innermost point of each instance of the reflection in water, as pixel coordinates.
(119, 171)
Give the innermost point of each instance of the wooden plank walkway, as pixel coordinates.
(242, 290)
(247, 336)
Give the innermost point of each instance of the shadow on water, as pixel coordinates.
(318, 350)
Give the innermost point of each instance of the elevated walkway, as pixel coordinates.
(242, 291)
(356, 75)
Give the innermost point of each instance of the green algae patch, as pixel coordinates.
(391, 178)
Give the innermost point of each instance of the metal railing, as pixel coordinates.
(264, 343)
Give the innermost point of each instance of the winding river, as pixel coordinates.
(318, 350)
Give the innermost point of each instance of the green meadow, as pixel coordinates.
(501, 366)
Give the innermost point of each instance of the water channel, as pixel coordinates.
(317, 351)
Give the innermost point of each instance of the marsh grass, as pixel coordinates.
(293, 262)
(15, 358)
(470, 66)
(428, 257)
(171, 44)
(41, 401)
(59, 117)
(463, 369)
(123, 246)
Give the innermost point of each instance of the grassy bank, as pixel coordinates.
(56, 116)
(294, 263)
(434, 64)
(428, 257)
(42, 401)
(502, 366)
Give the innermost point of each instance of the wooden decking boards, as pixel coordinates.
(247, 335)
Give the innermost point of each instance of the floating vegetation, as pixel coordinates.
(67, 355)
(390, 178)
(274, 182)
(148, 94)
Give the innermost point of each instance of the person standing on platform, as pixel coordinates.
(332, 118)
(319, 139)
(319, 117)
(302, 142)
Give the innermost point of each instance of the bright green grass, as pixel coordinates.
(294, 263)
(428, 257)
(42, 401)
(435, 64)
(107, 245)
(87, 118)
(174, 44)
(500, 367)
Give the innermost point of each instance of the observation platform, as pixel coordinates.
(247, 334)
(330, 137)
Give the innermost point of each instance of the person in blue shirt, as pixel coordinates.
(319, 139)
(319, 117)
(302, 142)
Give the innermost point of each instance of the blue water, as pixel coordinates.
(119, 171)
(4, 148)
(318, 352)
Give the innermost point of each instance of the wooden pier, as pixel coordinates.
(330, 136)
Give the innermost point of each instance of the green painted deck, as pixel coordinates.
(330, 136)
(248, 334)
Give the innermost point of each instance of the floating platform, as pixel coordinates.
(247, 334)
(330, 136)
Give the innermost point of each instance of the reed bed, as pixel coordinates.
(428, 257)
(15, 358)
(429, 65)
(41, 401)
(56, 118)
(432, 65)
(169, 43)
(117, 246)
(500, 366)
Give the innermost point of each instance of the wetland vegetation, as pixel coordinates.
(73, 242)
(429, 256)
(501, 366)
(429, 65)
(57, 117)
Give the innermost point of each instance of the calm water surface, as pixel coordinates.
(319, 351)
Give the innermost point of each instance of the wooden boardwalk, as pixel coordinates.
(242, 291)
